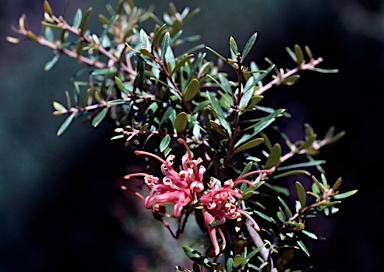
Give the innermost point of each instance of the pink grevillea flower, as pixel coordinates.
(221, 203)
(179, 188)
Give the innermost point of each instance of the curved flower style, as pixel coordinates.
(221, 203)
(180, 188)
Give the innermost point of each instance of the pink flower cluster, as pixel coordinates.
(180, 188)
(186, 186)
(221, 203)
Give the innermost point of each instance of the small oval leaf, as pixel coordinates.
(181, 122)
(192, 89)
(301, 194)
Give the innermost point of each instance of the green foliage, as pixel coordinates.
(159, 98)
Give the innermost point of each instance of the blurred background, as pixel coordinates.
(60, 208)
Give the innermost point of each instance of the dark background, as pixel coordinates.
(60, 209)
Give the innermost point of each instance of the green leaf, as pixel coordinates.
(292, 172)
(216, 53)
(218, 128)
(325, 71)
(52, 62)
(301, 194)
(290, 80)
(165, 142)
(287, 211)
(335, 138)
(345, 195)
(168, 115)
(304, 164)
(308, 142)
(104, 71)
(291, 54)
(65, 124)
(99, 117)
(303, 247)
(219, 112)
(181, 122)
(47, 8)
(85, 19)
(244, 101)
(310, 234)
(259, 126)
(248, 145)
(266, 217)
(281, 216)
(320, 186)
(48, 34)
(158, 35)
(144, 39)
(274, 157)
(237, 260)
(59, 107)
(264, 74)
(165, 45)
(117, 137)
(233, 47)
(337, 184)
(266, 141)
(192, 89)
(193, 254)
(77, 18)
(299, 54)
(229, 264)
(181, 63)
(278, 189)
(121, 85)
(309, 52)
(249, 45)
(254, 100)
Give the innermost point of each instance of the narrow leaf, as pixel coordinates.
(85, 19)
(48, 66)
(287, 211)
(292, 172)
(121, 85)
(233, 46)
(47, 8)
(304, 164)
(167, 114)
(77, 18)
(249, 45)
(99, 117)
(216, 53)
(299, 54)
(165, 45)
(181, 63)
(65, 124)
(308, 142)
(303, 247)
(345, 195)
(248, 145)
